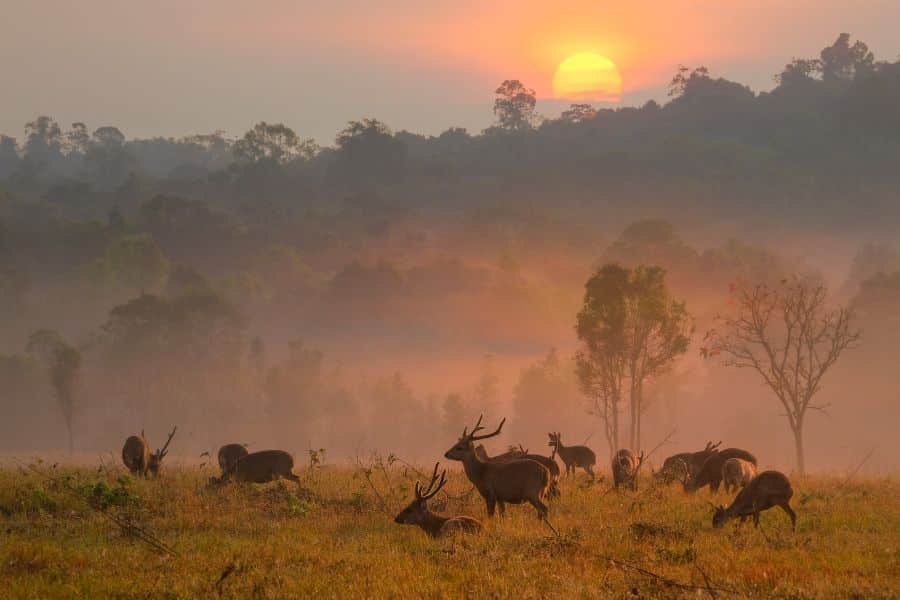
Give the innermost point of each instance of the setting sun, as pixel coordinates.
(587, 76)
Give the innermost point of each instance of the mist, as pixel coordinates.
(382, 292)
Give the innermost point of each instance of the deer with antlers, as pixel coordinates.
(501, 483)
(418, 514)
(625, 467)
(137, 457)
(521, 453)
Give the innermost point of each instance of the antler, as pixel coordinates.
(162, 452)
(474, 437)
(710, 446)
(431, 490)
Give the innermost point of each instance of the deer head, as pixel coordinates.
(465, 446)
(720, 516)
(415, 513)
(157, 457)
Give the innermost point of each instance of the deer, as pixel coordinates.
(625, 467)
(766, 490)
(691, 461)
(417, 513)
(522, 454)
(230, 454)
(573, 456)
(137, 457)
(737, 473)
(711, 472)
(261, 467)
(499, 483)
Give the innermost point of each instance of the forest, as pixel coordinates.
(380, 290)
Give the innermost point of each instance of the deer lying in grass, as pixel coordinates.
(522, 454)
(499, 483)
(625, 467)
(261, 467)
(417, 512)
(768, 489)
(711, 472)
(573, 456)
(230, 454)
(737, 473)
(137, 457)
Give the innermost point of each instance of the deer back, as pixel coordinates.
(262, 466)
(136, 454)
(711, 471)
(230, 454)
(517, 480)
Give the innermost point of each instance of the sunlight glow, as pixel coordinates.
(587, 76)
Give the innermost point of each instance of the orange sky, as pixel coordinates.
(172, 67)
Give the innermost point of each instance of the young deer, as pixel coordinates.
(737, 473)
(260, 467)
(625, 467)
(137, 458)
(768, 489)
(573, 456)
(499, 483)
(711, 472)
(417, 512)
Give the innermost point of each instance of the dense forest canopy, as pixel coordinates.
(379, 291)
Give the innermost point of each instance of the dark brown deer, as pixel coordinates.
(500, 483)
(625, 467)
(737, 473)
(674, 467)
(137, 457)
(230, 454)
(435, 525)
(711, 472)
(768, 489)
(697, 459)
(573, 456)
(522, 454)
(261, 467)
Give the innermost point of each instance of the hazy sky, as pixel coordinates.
(172, 67)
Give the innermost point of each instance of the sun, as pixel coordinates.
(587, 76)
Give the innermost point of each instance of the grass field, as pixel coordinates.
(70, 533)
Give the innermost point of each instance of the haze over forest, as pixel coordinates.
(383, 290)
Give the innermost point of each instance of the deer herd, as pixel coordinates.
(519, 477)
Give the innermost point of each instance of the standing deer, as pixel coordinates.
(417, 512)
(230, 454)
(768, 489)
(522, 454)
(261, 467)
(511, 482)
(137, 457)
(711, 472)
(625, 467)
(573, 456)
(737, 473)
(674, 465)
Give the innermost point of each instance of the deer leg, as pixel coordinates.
(491, 505)
(756, 515)
(292, 477)
(790, 511)
(540, 507)
(502, 506)
(590, 471)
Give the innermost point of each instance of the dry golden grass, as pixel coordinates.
(335, 538)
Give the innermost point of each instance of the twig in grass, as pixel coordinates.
(126, 526)
(858, 467)
(550, 525)
(655, 448)
(709, 588)
(627, 566)
(228, 570)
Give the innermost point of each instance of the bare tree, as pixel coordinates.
(790, 337)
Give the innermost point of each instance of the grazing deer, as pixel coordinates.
(625, 467)
(697, 459)
(499, 483)
(768, 489)
(522, 454)
(737, 473)
(673, 467)
(137, 457)
(573, 456)
(230, 454)
(417, 512)
(711, 472)
(261, 467)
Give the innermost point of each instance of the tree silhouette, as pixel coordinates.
(789, 336)
(514, 106)
(63, 363)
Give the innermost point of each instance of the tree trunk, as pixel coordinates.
(798, 444)
(71, 443)
(634, 414)
(639, 407)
